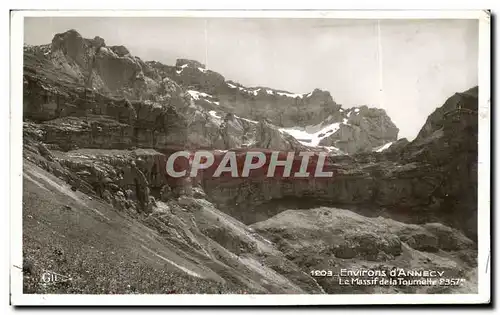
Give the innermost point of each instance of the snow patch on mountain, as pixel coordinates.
(153, 104)
(213, 113)
(312, 139)
(334, 150)
(218, 118)
(248, 120)
(356, 110)
(255, 92)
(292, 95)
(215, 118)
(383, 147)
(196, 94)
(182, 68)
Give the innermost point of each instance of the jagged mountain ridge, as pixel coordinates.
(114, 72)
(351, 130)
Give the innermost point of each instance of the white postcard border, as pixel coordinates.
(484, 265)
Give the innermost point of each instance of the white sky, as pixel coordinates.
(424, 61)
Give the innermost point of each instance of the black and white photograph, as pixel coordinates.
(208, 157)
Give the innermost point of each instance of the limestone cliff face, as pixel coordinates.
(449, 142)
(84, 94)
(432, 178)
(81, 88)
(106, 69)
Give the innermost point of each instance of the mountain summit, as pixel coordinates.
(314, 119)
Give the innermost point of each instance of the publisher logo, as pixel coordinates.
(49, 277)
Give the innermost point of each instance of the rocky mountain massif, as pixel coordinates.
(100, 124)
(219, 113)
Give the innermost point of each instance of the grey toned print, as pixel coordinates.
(392, 104)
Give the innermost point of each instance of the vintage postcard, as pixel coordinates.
(250, 157)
